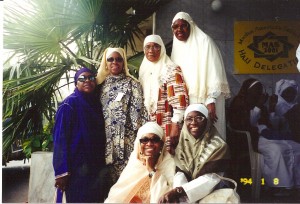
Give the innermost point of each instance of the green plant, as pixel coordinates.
(49, 39)
(43, 142)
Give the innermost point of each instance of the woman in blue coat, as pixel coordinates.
(79, 142)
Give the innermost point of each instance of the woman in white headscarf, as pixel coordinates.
(200, 152)
(149, 172)
(202, 66)
(121, 97)
(164, 88)
(281, 154)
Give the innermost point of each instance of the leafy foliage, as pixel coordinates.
(50, 38)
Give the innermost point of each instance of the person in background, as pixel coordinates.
(79, 142)
(149, 172)
(121, 97)
(241, 116)
(280, 149)
(247, 112)
(200, 152)
(164, 89)
(202, 66)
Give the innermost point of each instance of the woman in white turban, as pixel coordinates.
(121, 97)
(200, 152)
(149, 172)
(202, 66)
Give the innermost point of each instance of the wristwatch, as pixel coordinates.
(152, 173)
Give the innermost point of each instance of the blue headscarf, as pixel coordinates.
(80, 71)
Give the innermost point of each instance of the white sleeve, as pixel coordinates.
(210, 100)
(177, 116)
(254, 116)
(200, 187)
(179, 179)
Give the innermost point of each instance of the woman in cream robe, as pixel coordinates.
(203, 70)
(135, 183)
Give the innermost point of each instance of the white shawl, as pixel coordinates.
(153, 74)
(130, 180)
(201, 63)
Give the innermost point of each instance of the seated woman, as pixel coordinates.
(200, 151)
(281, 152)
(149, 172)
(247, 110)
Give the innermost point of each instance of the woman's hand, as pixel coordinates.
(62, 182)
(172, 196)
(149, 162)
(173, 139)
(212, 112)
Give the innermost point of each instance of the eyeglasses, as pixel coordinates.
(118, 59)
(182, 26)
(155, 47)
(198, 119)
(154, 140)
(83, 78)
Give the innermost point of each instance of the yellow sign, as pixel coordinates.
(266, 47)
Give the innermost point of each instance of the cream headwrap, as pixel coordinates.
(282, 105)
(103, 70)
(201, 63)
(150, 127)
(153, 74)
(196, 107)
(135, 173)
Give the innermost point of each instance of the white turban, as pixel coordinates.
(150, 127)
(183, 16)
(282, 105)
(154, 38)
(196, 107)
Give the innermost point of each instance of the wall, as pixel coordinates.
(220, 26)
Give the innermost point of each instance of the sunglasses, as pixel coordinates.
(198, 119)
(154, 140)
(118, 59)
(83, 78)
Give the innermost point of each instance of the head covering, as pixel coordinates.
(150, 127)
(298, 56)
(196, 107)
(153, 74)
(135, 173)
(282, 105)
(246, 85)
(192, 155)
(201, 63)
(80, 71)
(103, 70)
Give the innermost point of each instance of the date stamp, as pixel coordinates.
(248, 181)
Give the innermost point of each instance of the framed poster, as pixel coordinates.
(266, 47)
